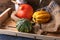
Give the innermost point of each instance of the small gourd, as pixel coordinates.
(41, 16)
(24, 25)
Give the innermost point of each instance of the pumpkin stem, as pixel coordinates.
(43, 9)
(22, 8)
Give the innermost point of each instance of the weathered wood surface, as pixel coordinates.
(4, 15)
(9, 28)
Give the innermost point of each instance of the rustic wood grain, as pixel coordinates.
(4, 15)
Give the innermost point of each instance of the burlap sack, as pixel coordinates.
(54, 24)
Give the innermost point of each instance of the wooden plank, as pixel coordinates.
(45, 37)
(9, 28)
(7, 32)
(9, 24)
(28, 35)
(53, 34)
(4, 15)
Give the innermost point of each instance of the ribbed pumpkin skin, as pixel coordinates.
(41, 16)
(24, 25)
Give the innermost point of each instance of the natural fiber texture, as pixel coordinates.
(54, 24)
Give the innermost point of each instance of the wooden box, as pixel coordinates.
(7, 27)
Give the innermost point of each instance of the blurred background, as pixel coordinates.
(4, 4)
